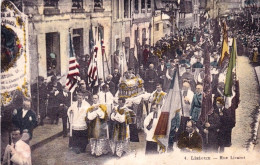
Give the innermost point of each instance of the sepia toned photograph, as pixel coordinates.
(130, 82)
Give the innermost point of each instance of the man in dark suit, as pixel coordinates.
(54, 88)
(64, 99)
(190, 140)
(116, 77)
(24, 118)
(161, 71)
(151, 77)
(39, 97)
(82, 88)
(141, 72)
(111, 85)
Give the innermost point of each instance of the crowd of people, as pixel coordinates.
(98, 117)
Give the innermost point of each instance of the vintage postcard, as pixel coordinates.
(112, 82)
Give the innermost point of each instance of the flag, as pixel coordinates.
(91, 41)
(101, 38)
(224, 51)
(168, 110)
(73, 73)
(231, 70)
(206, 108)
(92, 69)
(101, 34)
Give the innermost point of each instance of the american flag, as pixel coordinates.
(92, 69)
(73, 74)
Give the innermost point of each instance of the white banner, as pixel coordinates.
(14, 52)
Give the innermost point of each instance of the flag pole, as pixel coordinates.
(107, 62)
(103, 65)
(178, 74)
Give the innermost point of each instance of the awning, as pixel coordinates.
(166, 24)
(158, 5)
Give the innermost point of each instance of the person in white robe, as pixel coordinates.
(121, 116)
(77, 115)
(97, 127)
(187, 96)
(150, 124)
(18, 152)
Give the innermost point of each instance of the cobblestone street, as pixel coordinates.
(56, 152)
(249, 99)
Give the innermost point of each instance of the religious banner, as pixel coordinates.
(14, 52)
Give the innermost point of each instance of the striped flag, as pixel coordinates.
(171, 105)
(231, 72)
(225, 50)
(73, 73)
(92, 69)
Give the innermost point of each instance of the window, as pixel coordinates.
(143, 4)
(136, 36)
(51, 3)
(136, 5)
(51, 7)
(144, 36)
(78, 42)
(98, 3)
(77, 4)
(126, 10)
(117, 44)
(53, 53)
(117, 9)
(127, 42)
(157, 27)
(149, 4)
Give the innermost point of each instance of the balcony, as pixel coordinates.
(99, 9)
(51, 11)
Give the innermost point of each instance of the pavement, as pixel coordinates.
(257, 143)
(57, 152)
(46, 133)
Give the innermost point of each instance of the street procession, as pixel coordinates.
(88, 81)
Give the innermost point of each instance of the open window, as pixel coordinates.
(143, 6)
(149, 6)
(126, 8)
(53, 53)
(77, 6)
(98, 6)
(78, 42)
(51, 7)
(136, 6)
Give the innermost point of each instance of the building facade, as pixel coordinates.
(51, 21)
(129, 26)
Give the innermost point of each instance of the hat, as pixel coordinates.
(52, 55)
(53, 78)
(40, 78)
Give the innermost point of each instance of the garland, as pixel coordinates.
(6, 97)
